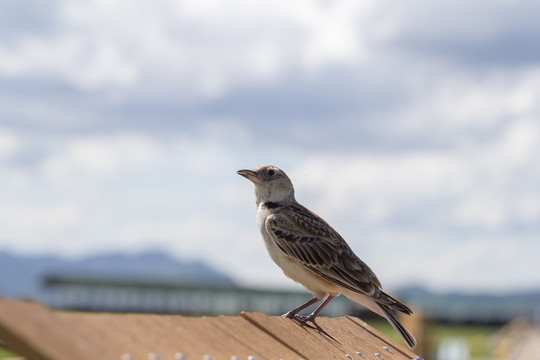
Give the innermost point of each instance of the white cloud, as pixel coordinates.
(208, 48)
(454, 103)
(100, 154)
(9, 143)
(481, 212)
(37, 226)
(520, 144)
(68, 57)
(388, 183)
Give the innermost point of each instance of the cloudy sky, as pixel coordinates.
(412, 127)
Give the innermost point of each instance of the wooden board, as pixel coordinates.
(39, 333)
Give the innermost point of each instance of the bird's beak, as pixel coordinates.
(250, 175)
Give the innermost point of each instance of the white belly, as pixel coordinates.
(292, 268)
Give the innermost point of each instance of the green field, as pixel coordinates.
(5, 354)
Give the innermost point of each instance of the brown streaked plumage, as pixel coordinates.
(311, 252)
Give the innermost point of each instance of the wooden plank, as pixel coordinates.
(31, 330)
(307, 342)
(39, 333)
(220, 337)
(346, 336)
(263, 345)
(375, 342)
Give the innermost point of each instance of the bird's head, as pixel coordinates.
(270, 183)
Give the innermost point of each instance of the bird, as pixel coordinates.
(312, 253)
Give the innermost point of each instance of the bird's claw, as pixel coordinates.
(289, 315)
(308, 321)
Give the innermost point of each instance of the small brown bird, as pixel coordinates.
(311, 252)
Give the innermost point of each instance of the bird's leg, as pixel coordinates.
(292, 314)
(311, 317)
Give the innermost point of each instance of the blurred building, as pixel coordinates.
(472, 308)
(158, 296)
(167, 296)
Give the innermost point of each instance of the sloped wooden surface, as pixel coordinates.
(39, 333)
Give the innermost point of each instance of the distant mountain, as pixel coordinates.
(22, 276)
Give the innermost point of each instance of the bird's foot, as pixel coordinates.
(289, 315)
(308, 321)
(301, 319)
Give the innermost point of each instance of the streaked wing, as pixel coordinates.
(307, 238)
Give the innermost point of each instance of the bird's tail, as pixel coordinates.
(385, 305)
(393, 320)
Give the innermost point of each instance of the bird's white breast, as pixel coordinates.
(292, 268)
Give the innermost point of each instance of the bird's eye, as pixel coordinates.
(271, 172)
